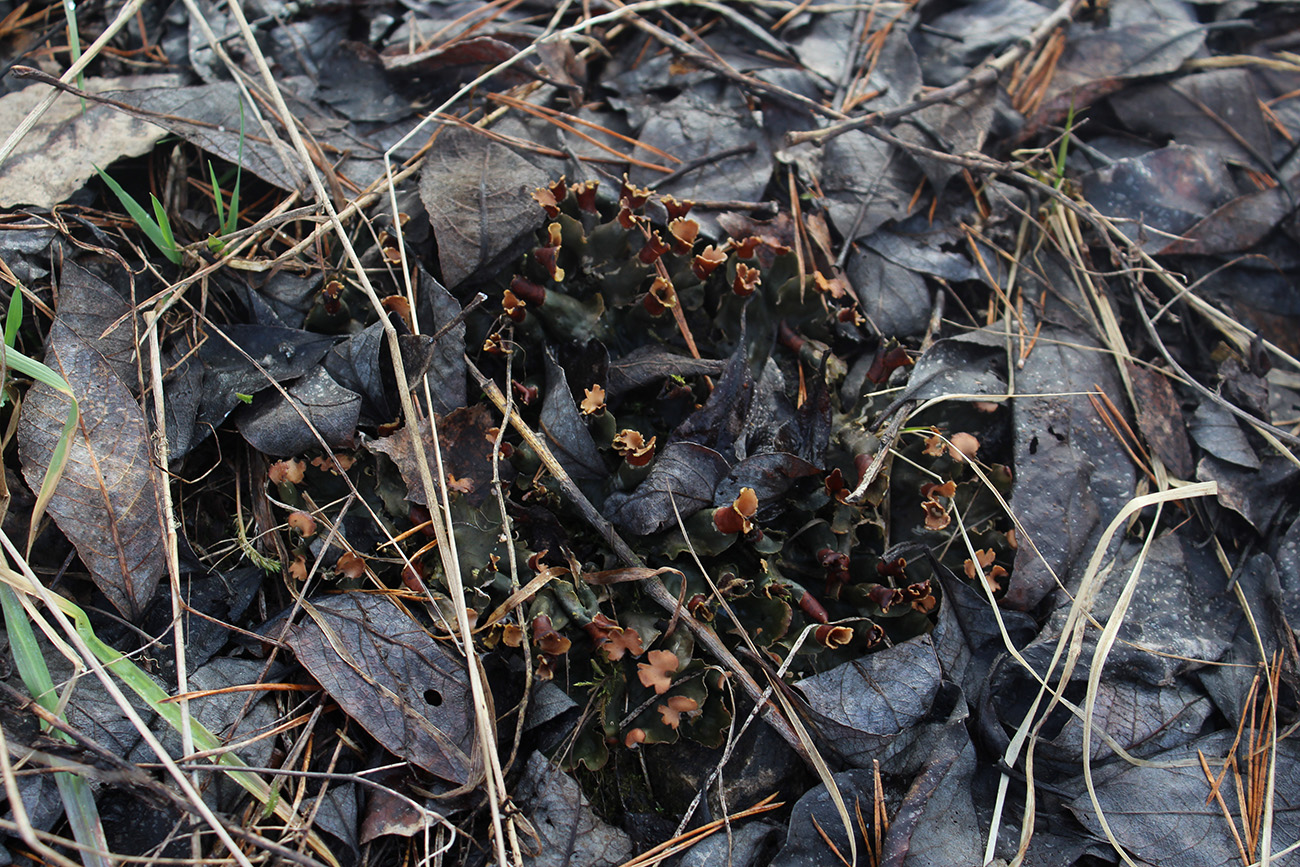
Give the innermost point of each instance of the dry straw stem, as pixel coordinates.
(667, 849)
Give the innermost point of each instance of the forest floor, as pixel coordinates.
(606, 433)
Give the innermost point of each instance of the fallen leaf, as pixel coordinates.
(394, 679)
(107, 501)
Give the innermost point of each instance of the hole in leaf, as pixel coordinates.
(432, 697)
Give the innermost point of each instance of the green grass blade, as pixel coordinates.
(15, 360)
(165, 227)
(74, 42)
(78, 801)
(216, 198)
(14, 316)
(147, 224)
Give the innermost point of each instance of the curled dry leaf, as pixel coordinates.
(328, 465)
(351, 565)
(655, 247)
(934, 445)
(677, 209)
(661, 297)
(985, 558)
(930, 490)
(684, 232)
(993, 578)
(747, 280)
(735, 518)
(936, 516)
(707, 261)
(626, 640)
(833, 636)
(885, 597)
(632, 447)
(547, 639)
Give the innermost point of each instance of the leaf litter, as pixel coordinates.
(816, 356)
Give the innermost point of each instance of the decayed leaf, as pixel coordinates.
(465, 437)
(107, 501)
(55, 159)
(479, 197)
(684, 475)
(388, 674)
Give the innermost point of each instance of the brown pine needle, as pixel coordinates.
(829, 842)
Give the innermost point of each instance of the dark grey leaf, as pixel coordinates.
(894, 299)
(959, 365)
(388, 673)
(1157, 196)
(446, 374)
(1218, 432)
(770, 474)
(1071, 476)
(570, 832)
(705, 120)
(362, 364)
(966, 36)
(283, 353)
(275, 425)
(867, 183)
(720, 423)
(107, 501)
(937, 824)
(922, 252)
(478, 194)
(652, 364)
(1097, 60)
(804, 846)
(1229, 684)
(1256, 495)
(967, 638)
(1162, 815)
(1217, 110)
(872, 708)
(183, 390)
(564, 427)
(1142, 703)
(685, 474)
(89, 306)
(207, 115)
